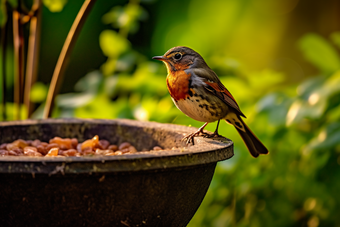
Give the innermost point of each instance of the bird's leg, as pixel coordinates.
(215, 134)
(190, 138)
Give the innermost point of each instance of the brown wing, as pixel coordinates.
(214, 85)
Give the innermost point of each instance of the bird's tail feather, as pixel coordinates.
(254, 145)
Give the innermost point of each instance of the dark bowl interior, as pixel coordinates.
(163, 188)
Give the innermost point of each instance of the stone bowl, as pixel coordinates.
(163, 188)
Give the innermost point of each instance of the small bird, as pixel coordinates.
(197, 91)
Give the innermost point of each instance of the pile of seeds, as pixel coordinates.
(66, 147)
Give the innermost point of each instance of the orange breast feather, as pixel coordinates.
(178, 84)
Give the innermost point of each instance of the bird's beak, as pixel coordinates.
(160, 58)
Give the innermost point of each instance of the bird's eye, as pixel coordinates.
(178, 56)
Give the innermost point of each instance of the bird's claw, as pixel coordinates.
(190, 138)
(214, 135)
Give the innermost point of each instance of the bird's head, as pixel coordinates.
(181, 58)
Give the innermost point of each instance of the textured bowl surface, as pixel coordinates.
(163, 188)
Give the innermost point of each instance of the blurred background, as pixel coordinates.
(280, 60)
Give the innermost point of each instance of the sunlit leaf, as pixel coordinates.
(321, 94)
(333, 83)
(125, 17)
(308, 86)
(141, 114)
(267, 102)
(109, 66)
(112, 16)
(277, 106)
(11, 110)
(102, 107)
(126, 61)
(55, 5)
(110, 85)
(315, 94)
(113, 44)
(300, 110)
(319, 52)
(73, 100)
(38, 92)
(90, 82)
(265, 79)
(327, 138)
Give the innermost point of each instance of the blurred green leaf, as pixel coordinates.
(332, 83)
(102, 107)
(113, 15)
(110, 85)
(334, 114)
(90, 82)
(265, 79)
(126, 61)
(38, 92)
(74, 100)
(11, 111)
(335, 36)
(327, 138)
(314, 98)
(277, 105)
(307, 87)
(125, 17)
(300, 110)
(113, 44)
(143, 80)
(55, 5)
(319, 52)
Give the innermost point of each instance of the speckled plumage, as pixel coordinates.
(197, 91)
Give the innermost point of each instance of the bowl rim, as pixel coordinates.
(205, 151)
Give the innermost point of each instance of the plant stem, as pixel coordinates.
(32, 54)
(18, 62)
(65, 54)
(3, 72)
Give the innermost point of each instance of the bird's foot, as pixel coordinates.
(190, 138)
(214, 135)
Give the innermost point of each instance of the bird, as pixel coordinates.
(197, 91)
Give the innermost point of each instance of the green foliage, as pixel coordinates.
(113, 46)
(319, 52)
(11, 111)
(38, 92)
(55, 5)
(112, 43)
(295, 185)
(125, 17)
